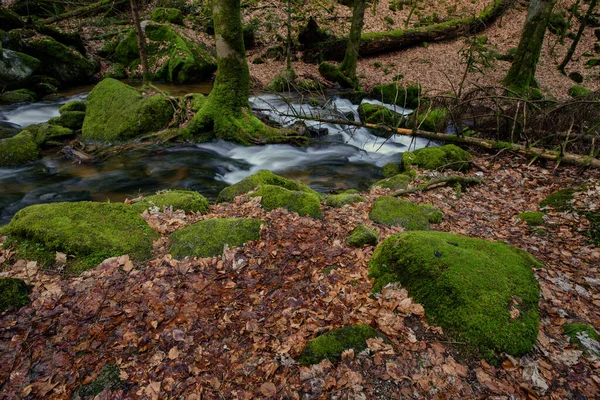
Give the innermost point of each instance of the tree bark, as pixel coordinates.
(521, 74)
(582, 26)
(348, 65)
(141, 41)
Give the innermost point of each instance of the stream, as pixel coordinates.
(348, 157)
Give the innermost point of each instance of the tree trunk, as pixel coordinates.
(521, 74)
(348, 65)
(582, 26)
(141, 41)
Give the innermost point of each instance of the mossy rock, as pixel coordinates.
(109, 380)
(10, 20)
(362, 235)
(263, 177)
(332, 344)
(448, 156)
(88, 231)
(559, 200)
(390, 169)
(14, 293)
(396, 182)
(173, 57)
(16, 68)
(532, 218)
(431, 121)
(484, 292)
(392, 211)
(392, 93)
(47, 131)
(69, 119)
(379, 115)
(433, 214)
(292, 200)
(283, 82)
(73, 105)
(186, 200)
(333, 74)
(578, 91)
(18, 150)
(17, 96)
(117, 112)
(342, 199)
(207, 238)
(585, 337)
(171, 15)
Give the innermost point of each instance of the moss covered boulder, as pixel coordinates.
(18, 150)
(46, 132)
(332, 344)
(379, 115)
(576, 91)
(10, 20)
(484, 292)
(444, 157)
(118, 112)
(14, 293)
(186, 200)
(433, 214)
(396, 182)
(16, 68)
(263, 177)
(171, 15)
(362, 235)
(283, 82)
(585, 337)
(393, 93)
(17, 96)
(69, 119)
(174, 57)
(88, 232)
(390, 169)
(333, 74)
(432, 120)
(207, 238)
(392, 211)
(303, 203)
(73, 105)
(342, 199)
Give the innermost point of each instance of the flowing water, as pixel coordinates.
(348, 157)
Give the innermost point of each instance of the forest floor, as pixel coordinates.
(230, 327)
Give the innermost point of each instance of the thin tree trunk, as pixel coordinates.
(289, 37)
(348, 65)
(141, 41)
(521, 74)
(582, 26)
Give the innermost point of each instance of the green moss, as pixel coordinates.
(594, 232)
(362, 235)
(18, 150)
(332, 344)
(393, 93)
(207, 238)
(559, 200)
(16, 96)
(283, 82)
(186, 200)
(117, 112)
(330, 269)
(88, 231)
(263, 177)
(578, 91)
(73, 105)
(532, 218)
(392, 211)
(69, 119)
(13, 293)
(582, 335)
(333, 74)
(377, 114)
(342, 199)
(558, 24)
(116, 71)
(396, 182)
(432, 121)
(433, 214)
(449, 156)
(292, 200)
(390, 169)
(172, 15)
(468, 286)
(109, 380)
(45, 132)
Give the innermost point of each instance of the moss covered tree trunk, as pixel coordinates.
(583, 24)
(521, 74)
(348, 65)
(141, 41)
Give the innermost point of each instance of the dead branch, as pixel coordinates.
(434, 183)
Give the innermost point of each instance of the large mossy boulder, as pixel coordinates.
(484, 292)
(88, 232)
(14, 293)
(393, 93)
(186, 200)
(332, 344)
(379, 115)
(207, 238)
(263, 177)
(117, 112)
(444, 157)
(16, 68)
(173, 57)
(392, 211)
(18, 150)
(303, 203)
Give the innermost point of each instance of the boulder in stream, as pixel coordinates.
(18, 150)
(16, 68)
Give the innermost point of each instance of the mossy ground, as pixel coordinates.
(390, 169)
(171, 15)
(89, 232)
(362, 235)
(468, 286)
(186, 200)
(532, 218)
(107, 380)
(342, 199)
(292, 200)
(13, 293)
(207, 238)
(332, 344)
(581, 335)
(393, 211)
(444, 157)
(559, 200)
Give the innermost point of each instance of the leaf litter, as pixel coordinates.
(231, 327)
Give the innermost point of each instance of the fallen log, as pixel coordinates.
(87, 10)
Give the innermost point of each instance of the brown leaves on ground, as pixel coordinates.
(231, 327)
